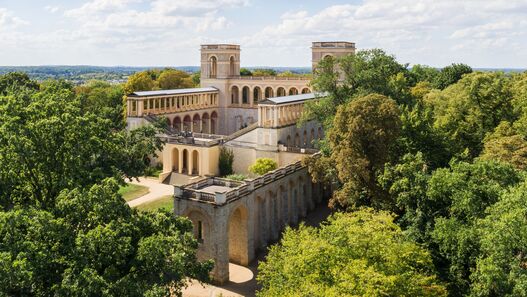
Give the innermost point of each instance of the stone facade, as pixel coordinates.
(233, 220)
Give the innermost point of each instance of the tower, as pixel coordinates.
(320, 50)
(220, 61)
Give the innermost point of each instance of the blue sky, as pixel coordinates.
(481, 33)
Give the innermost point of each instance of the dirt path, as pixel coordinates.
(157, 190)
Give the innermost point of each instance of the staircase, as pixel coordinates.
(242, 131)
(168, 129)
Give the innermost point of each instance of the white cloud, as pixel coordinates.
(9, 21)
(52, 9)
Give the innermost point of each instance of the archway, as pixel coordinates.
(187, 123)
(177, 124)
(213, 121)
(297, 140)
(245, 95)
(269, 92)
(235, 93)
(293, 91)
(205, 120)
(306, 91)
(304, 144)
(195, 124)
(185, 161)
(280, 92)
(201, 225)
(195, 163)
(257, 94)
(213, 67)
(175, 159)
(238, 237)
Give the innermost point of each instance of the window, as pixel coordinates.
(200, 231)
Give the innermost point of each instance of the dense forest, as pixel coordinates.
(427, 167)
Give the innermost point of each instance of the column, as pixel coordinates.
(190, 162)
(251, 97)
(275, 116)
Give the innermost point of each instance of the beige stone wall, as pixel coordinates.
(207, 159)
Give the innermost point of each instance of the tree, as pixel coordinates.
(16, 80)
(502, 264)
(93, 244)
(450, 75)
(264, 72)
(105, 100)
(423, 73)
(174, 79)
(360, 146)
(263, 165)
(139, 81)
(506, 145)
(362, 253)
(245, 72)
(196, 78)
(49, 143)
(466, 111)
(225, 161)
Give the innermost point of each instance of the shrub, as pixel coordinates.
(225, 162)
(237, 177)
(263, 165)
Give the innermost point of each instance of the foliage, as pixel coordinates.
(174, 79)
(104, 100)
(140, 81)
(362, 130)
(263, 165)
(49, 143)
(466, 111)
(245, 72)
(15, 81)
(423, 73)
(264, 72)
(450, 75)
(362, 253)
(93, 244)
(237, 177)
(225, 161)
(506, 145)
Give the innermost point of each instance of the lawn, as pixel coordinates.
(166, 202)
(131, 191)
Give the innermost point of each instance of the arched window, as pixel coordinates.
(269, 92)
(257, 94)
(293, 91)
(280, 92)
(213, 67)
(235, 92)
(306, 91)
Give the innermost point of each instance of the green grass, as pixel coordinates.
(131, 191)
(165, 202)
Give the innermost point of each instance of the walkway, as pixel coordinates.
(242, 280)
(157, 190)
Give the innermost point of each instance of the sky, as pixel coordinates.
(481, 33)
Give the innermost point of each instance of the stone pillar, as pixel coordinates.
(190, 162)
(220, 250)
(275, 116)
(180, 163)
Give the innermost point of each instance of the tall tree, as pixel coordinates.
(362, 253)
(450, 75)
(174, 79)
(140, 81)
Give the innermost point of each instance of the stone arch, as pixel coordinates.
(187, 123)
(288, 141)
(201, 223)
(297, 140)
(205, 121)
(328, 56)
(235, 94)
(261, 222)
(257, 94)
(293, 91)
(177, 123)
(185, 161)
(195, 163)
(175, 159)
(269, 92)
(280, 92)
(232, 67)
(213, 67)
(213, 122)
(245, 95)
(238, 236)
(306, 91)
(196, 121)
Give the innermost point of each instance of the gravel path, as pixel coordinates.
(157, 190)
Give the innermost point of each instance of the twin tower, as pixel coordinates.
(222, 61)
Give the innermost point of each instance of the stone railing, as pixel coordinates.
(298, 150)
(242, 131)
(237, 189)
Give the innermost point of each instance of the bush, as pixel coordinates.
(237, 177)
(263, 165)
(225, 162)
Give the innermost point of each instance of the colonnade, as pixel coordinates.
(197, 123)
(272, 116)
(250, 96)
(186, 161)
(139, 106)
